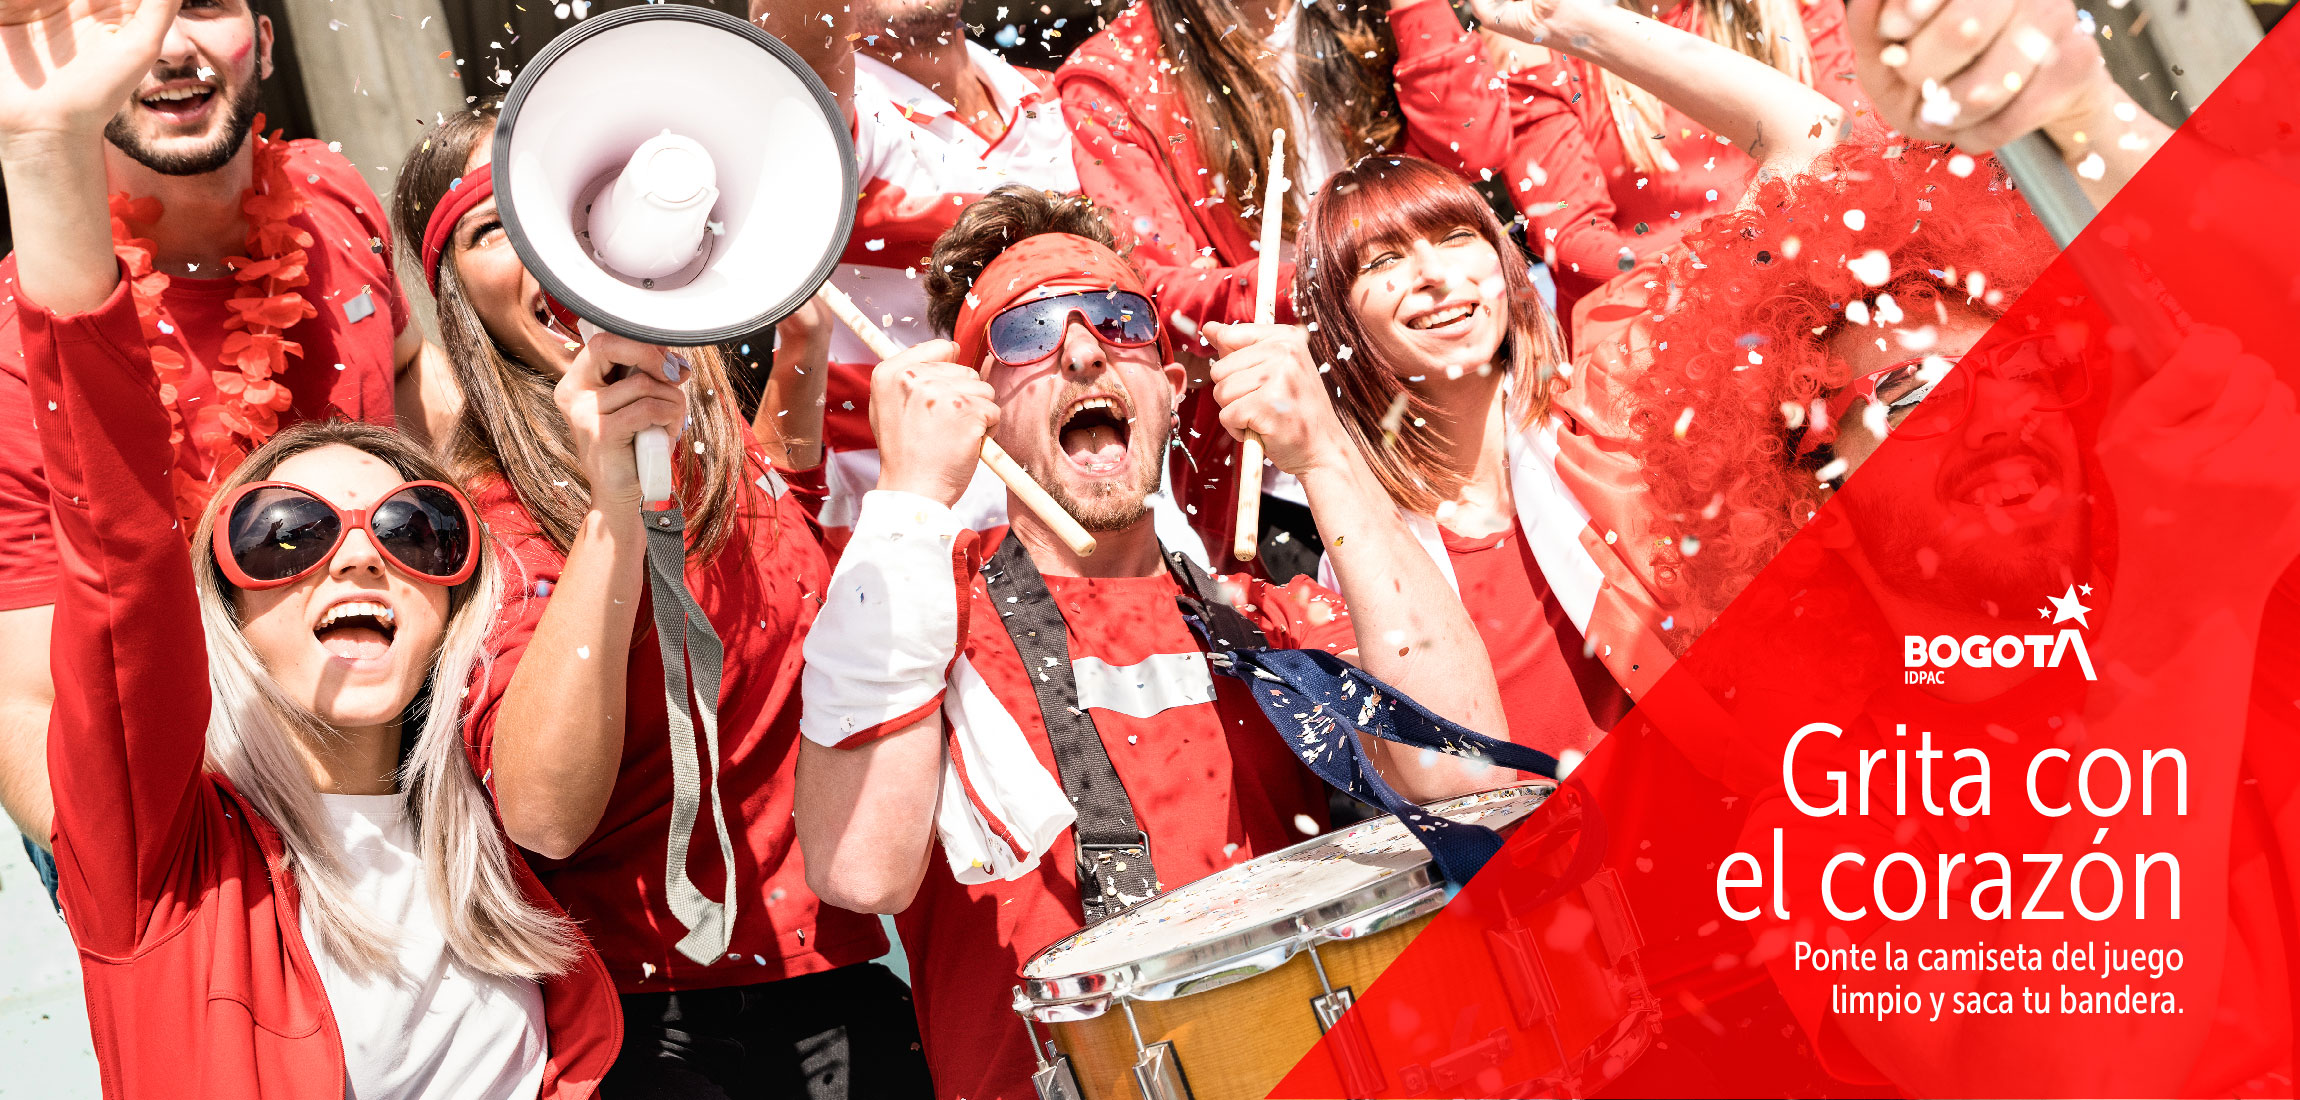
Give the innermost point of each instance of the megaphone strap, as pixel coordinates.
(690, 647)
(474, 188)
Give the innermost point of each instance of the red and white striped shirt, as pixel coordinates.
(920, 165)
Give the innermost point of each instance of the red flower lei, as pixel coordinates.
(250, 395)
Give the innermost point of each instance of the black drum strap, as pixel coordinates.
(1201, 599)
(1114, 871)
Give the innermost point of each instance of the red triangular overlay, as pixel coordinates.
(2184, 481)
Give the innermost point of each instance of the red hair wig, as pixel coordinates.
(1395, 200)
(1740, 326)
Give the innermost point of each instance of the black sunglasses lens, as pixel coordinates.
(276, 533)
(423, 528)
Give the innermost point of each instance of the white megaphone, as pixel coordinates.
(674, 175)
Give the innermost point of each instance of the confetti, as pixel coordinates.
(1872, 267)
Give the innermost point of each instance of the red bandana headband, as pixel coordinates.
(474, 188)
(1045, 259)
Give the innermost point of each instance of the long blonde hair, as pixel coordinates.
(1769, 30)
(254, 727)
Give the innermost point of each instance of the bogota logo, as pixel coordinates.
(1929, 659)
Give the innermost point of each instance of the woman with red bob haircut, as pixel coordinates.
(1443, 358)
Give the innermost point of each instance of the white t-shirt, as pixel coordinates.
(436, 1030)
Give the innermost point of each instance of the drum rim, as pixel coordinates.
(1260, 948)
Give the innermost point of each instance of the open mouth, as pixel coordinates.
(357, 630)
(2008, 482)
(1449, 315)
(1094, 433)
(179, 101)
(552, 322)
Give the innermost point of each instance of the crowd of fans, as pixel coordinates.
(329, 655)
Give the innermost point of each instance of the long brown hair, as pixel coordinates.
(1343, 54)
(253, 728)
(510, 426)
(1394, 200)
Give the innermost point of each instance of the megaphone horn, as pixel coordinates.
(675, 175)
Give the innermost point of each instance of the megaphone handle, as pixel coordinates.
(650, 448)
(1018, 480)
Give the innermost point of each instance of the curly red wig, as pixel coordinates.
(1740, 327)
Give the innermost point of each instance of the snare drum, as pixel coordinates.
(1214, 990)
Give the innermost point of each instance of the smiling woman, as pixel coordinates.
(274, 856)
(331, 592)
(1442, 360)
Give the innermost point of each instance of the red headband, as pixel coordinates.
(1036, 261)
(473, 189)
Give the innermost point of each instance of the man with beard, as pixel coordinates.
(938, 122)
(1039, 662)
(259, 271)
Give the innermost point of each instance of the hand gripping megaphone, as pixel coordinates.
(675, 175)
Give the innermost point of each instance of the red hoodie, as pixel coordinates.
(1137, 154)
(178, 895)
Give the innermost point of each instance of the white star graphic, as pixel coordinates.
(2065, 607)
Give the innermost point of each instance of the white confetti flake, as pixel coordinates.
(1940, 106)
(1856, 220)
(1872, 267)
(1875, 418)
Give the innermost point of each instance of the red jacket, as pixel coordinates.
(1137, 155)
(1583, 200)
(199, 983)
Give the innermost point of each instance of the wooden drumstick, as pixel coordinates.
(1243, 544)
(1018, 480)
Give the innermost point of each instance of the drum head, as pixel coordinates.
(1251, 918)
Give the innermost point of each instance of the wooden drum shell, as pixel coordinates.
(1236, 1042)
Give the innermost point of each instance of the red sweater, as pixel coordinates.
(1583, 200)
(1137, 154)
(178, 895)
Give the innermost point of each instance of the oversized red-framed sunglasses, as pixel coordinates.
(1030, 332)
(2056, 379)
(274, 533)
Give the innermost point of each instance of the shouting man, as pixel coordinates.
(1061, 358)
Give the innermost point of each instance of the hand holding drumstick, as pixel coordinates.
(966, 391)
(1265, 312)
